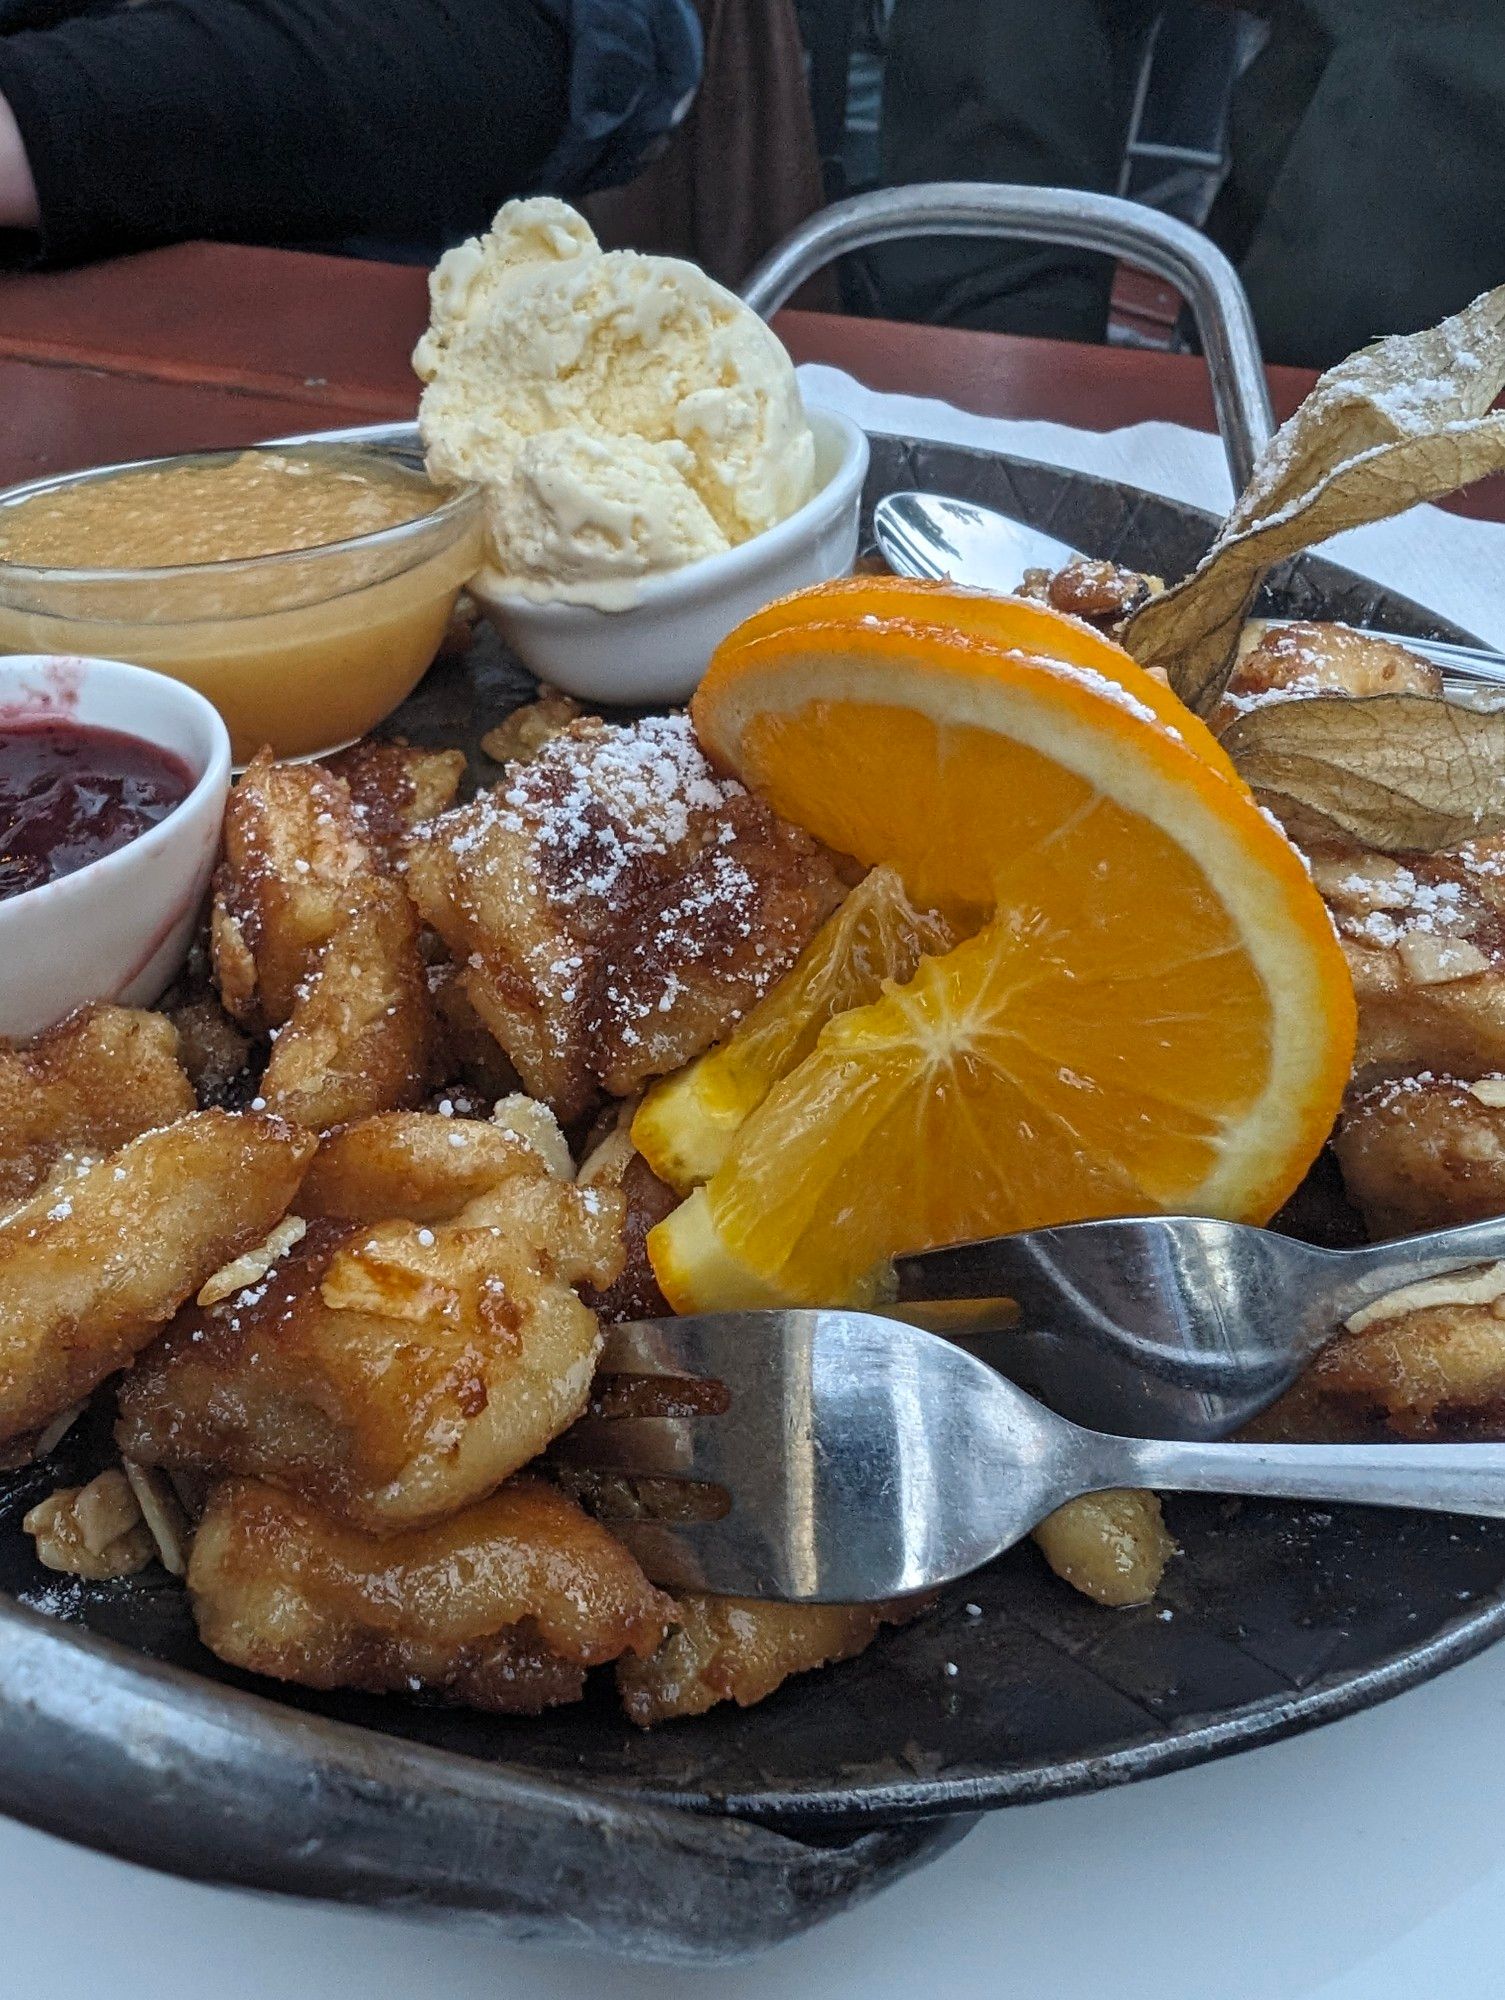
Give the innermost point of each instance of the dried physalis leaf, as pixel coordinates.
(1399, 772)
(1403, 421)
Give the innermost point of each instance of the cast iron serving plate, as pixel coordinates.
(712, 1838)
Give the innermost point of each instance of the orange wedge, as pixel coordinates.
(1013, 624)
(1156, 1016)
(686, 1123)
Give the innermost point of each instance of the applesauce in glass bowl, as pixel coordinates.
(303, 588)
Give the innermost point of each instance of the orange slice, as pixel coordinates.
(686, 1123)
(1157, 1016)
(1014, 624)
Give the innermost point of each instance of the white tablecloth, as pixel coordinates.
(1453, 564)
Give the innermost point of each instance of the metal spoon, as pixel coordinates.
(932, 535)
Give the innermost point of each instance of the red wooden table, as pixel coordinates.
(212, 344)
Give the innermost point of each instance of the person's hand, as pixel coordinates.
(18, 192)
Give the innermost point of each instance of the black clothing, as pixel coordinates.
(279, 121)
(1367, 183)
(1368, 187)
(1005, 90)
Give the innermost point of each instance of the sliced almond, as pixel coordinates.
(1431, 960)
(1481, 1286)
(536, 1125)
(252, 1265)
(164, 1517)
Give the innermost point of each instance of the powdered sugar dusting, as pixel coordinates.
(597, 799)
(1115, 692)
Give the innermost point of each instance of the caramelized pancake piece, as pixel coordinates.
(1285, 662)
(698, 952)
(293, 847)
(83, 1088)
(1112, 1546)
(616, 1163)
(1424, 1152)
(94, 1531)
(413, 1166)
(1424, 937)
(1104, 594)
(395, 786)
(361, 1036)
(615, 904)
(518, 737)
(391, 1371)
(740, 1649)
(1432, 1373)
(87, 1278)
(502, 1607)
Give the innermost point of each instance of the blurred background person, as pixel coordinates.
(1353, 153)
(381, 127)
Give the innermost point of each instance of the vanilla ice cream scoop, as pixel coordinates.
(625, 414)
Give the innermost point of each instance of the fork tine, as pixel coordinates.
(860, 1458)
(719, 1557)
(723, 1346)
(651, 1447)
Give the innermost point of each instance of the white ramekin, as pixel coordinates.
(656, 648)
(118, 929)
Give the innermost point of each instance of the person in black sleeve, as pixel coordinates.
(381, 127)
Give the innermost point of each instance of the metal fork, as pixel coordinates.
(851, 1458)
(1170, 1326)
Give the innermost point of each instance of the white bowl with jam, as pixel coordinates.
(113, 783)
(303, 588)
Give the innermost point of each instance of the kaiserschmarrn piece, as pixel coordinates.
(89, 1276)
(417, 1166)
(614, 1162)
(615, 905)
(1425, 1365)
(293, 846)
(502, 1607)
(395, 787)
(82, 1089)
(1111, 1546)
(361, 1036)
(1102, 593)
(95, 1531)
(392, 1371)
(1285, 662)
(518, 737)
(1424, 937)
(740, 1649)
(1424, 1152)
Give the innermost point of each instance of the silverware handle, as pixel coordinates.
(1438, 1478)
(1372, 1270)
(1173, 251)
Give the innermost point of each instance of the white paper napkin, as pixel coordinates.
(1454, 565)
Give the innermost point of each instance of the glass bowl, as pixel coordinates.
(304, 650)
